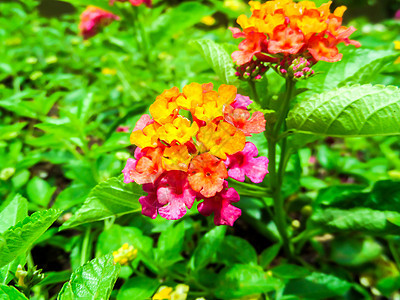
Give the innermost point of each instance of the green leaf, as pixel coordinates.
(10, 293)
(356, 219)
(354, 251)
(13, 212)
(364, 110)
(242, 280)
(114, 237)
(19, 238)
(176, 20)
(268, 255)
(207, 247)
(219, 60)
(39, 191)
(93, 280)
(110, 198)
(356, 64)
(288, 271)
(387, 286)
(317, 286)
(170, 245)
(236, 250)
(138, 288)
(8, 132)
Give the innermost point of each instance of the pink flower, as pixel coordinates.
(92, 19)
(143, 122)
(122, 129)
(224, 212)
(244, 163)
(241, 102)
(133, 2)
(170, 196)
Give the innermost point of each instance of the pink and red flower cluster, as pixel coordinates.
(192, 142)
(280, 31)
(94, 18)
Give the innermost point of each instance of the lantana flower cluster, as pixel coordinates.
(281, 31)
(189, 146)
(93, 18)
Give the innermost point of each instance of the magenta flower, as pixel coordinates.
(92, 19)
(224, 212)
(241, 102)
(170, 196)
(245, 163)
(122, 129)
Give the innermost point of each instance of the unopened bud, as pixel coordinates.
(125, 254)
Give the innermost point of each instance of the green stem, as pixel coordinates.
(85, 246)
(395, 254)
(276, 175)
(254, 93)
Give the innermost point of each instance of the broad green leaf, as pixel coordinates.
(207, 247)
(268, 255)
(19, 238)
(356, 64)
(364, 110)
(110, 198)
(242, 280)
(55, 277)
(10, 293)
(39, 191)
(138, 288)
(356, 219)
(317, 286)
(170, 245)
(13, 212)
(387, 286)
(219, 60)
(114, 237)
(288, 271)
(236, 250)
(93, 280)
(11, 131)
(354, 251)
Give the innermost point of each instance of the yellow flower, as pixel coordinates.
(208, 20)
(176, 157)
(236, 5)
(108, 71)
(179, 130)
(397, 47)
(163, 293)
(180, 292)
(125, 254)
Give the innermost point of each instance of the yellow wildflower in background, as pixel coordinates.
(168, 293)
(397, 47)
(208, 20)
(125, 254)
(108, 71)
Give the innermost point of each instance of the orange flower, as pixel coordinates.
(207, 174)
(240, 118)
(290, 30)
(165, 109)
(176, 157)
(221, 139)
(180, 130)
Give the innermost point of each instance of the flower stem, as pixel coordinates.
(253, 89)
(276, 173)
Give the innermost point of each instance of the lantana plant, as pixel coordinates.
(193, 141)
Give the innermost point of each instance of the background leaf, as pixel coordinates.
(364, 110)
(110, 198)
(93, 280)
(19, 238)
(138, 288)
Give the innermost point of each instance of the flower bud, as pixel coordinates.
(125, 254)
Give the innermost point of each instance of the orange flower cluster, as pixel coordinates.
(183, 146)
(282, 30)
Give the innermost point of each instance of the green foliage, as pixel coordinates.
(138, 288)
(349, 111)
(10, 293)
(108, 199)
(19, 238)
(93, 280)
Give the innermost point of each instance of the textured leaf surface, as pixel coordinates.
(242, 280)
(17, 239)
(13, 212)
(364, 110)
(93, 280)
(112, 197)
(10, 293)
(219, 60)
(138, 288)
(356, 219)
(206, 248)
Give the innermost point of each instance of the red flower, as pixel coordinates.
(92, 19)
